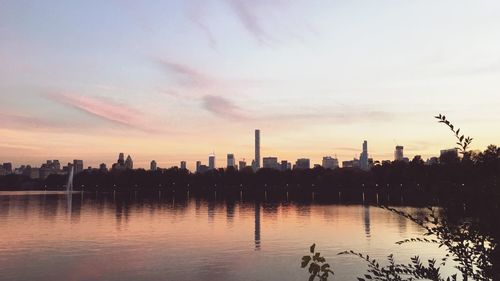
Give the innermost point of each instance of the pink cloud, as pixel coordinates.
(104, 109)
(223, 108)
(22, 121)
(188, 76)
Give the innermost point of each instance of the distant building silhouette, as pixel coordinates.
(398, 153)
(285, 165)
(230, 161)
(330, 162)
(270, 163)
(77, 166)
(363, 158)
(256, 163)
(211, 161)
(198, 164)
(103, 168)
(302, 164)
(183, 165)
(7, 167)
(121, 159)
(203, 169)
(448, 156)
(432, 161)
(242, 165)
(450, 151)
(120, 163)
(153, 166)
(129, 164)
(50, 167)
(351, 163)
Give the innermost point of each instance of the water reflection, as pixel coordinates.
(366, 219)
(122, 236)
(257, 226)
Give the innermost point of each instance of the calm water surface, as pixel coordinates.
(45, 236)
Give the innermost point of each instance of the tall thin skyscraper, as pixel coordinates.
(363, 158)
(211, 161)
(257, 150)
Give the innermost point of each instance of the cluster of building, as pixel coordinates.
(122, 163)
(50, 167)
(364, 162)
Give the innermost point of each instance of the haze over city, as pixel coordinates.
(178, 80)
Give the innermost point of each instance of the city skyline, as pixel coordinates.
(365, 162)
(174, 80)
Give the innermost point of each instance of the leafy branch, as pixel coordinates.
(415, 270)
(464, 243)
(317, 265)
(462, 141)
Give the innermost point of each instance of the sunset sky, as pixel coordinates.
(177, 80)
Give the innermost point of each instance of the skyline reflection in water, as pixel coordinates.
(110, 236)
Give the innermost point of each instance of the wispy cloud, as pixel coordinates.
(350, 149)
(246, 12)
(196, 15)
(104, 109)
(188, 76)
(24, 122)
(216, 96)
(223, 108)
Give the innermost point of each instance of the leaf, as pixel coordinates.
(311, 278)
(305, 261)
(312, 248)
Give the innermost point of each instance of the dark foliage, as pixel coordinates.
(318, 268)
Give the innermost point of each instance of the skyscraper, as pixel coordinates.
(153, 166)
(257, 150)
(363, 158)
(211, 161)
(330, 163)
(198, 165)
(77, 166)
(121, 159)
(129, 164)
(230, 160)
(398, 153)
(183, 165)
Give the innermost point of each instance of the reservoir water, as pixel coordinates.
(102, 236)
